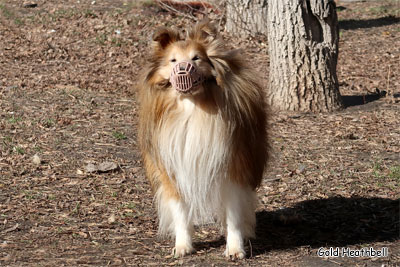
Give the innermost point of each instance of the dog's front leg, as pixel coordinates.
(234, 236)
(239, 218)
(183, 228)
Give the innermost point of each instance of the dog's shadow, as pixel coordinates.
(335, 221)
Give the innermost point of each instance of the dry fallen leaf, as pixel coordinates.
(83, 234)
(111, 219)
(11, 229)
(102, 167)
(36, 159)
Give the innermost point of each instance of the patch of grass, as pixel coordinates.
(7, 141)
(14, 119)
(66, 13)
(131, 206)
(19, 150)
(101, 39)
(380, 184)
(381, 172)
(394, 172)
(119, 135)
(378, 10)
(48, 123)
(62, 13)
(77, 208)
(116, 42)
(32, 19)
(376, 169)
(128, 215)
(30, 195)
(10, 15)
(19, 21)
(5, 11)
(88, 13)
(118, 11)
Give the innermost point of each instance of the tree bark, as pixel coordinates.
(246, 17)
(303, 41)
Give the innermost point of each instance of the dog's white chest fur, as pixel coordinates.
(194, 149)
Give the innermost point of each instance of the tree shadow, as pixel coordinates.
(335, 221)
(356, 100)
(352, 24)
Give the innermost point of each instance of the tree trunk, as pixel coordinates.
(246, 17)
(303, 41)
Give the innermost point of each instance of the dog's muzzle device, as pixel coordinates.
(185, 77)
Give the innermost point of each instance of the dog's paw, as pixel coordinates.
(235, 253)
(182, 250)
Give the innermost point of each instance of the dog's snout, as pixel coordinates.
(185, 77)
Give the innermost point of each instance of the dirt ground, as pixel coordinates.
(68, 103)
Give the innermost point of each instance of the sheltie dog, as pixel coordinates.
(202, 136)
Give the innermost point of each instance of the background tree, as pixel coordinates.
(246, 17)
(303, 44)
(303, 41)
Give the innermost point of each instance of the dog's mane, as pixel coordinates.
(233, 75)
(240, 94)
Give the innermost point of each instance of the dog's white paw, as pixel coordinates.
(235, 253)
(182, 250)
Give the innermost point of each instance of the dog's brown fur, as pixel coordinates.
(231, 91)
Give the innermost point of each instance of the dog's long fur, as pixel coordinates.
(204, 153)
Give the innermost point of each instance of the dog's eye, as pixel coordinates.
(173, 60)
(195, 58)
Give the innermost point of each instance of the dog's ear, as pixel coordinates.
(204, 31)
(162, 37)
